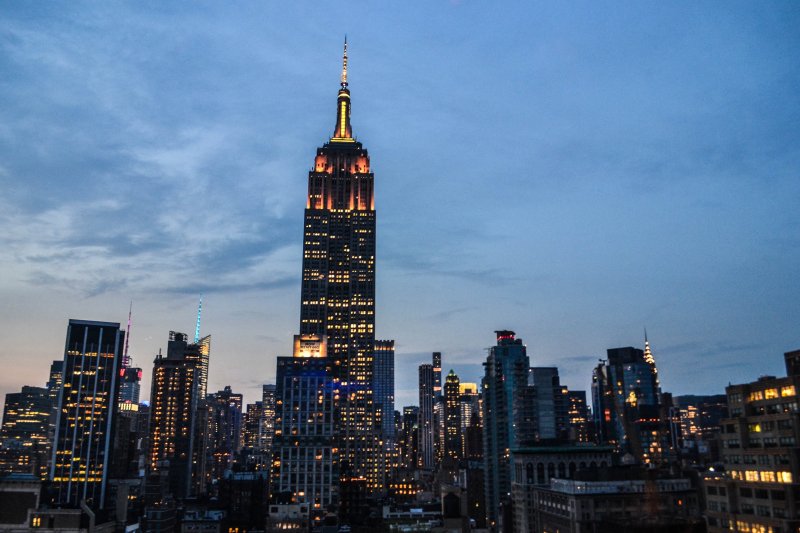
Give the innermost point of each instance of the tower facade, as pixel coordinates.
(338, 286)
(130, 385)
(426, 429)
(266, 426)
(505, 385)
(25, 431)
(627, 405)
(551, 404)
(452, 417)
(436, 358)
(83, 436)
(383, 375)
(175, 449)
(226, 428)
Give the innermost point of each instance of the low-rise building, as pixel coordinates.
(536, 466)
(759, 489)
(613, 504)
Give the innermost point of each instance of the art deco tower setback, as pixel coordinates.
(338, 285)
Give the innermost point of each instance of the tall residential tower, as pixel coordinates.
(505, 386)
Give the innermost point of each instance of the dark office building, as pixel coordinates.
(226, 429)
(504, 383)
(83, 436)
(552, 404)
(627, 408)
(425, 458)
(580, 429)
(452, 417)
(409, 436)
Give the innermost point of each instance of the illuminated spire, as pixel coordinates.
(197, 327)
(343, 132)
(648, 355)
(126, 360)
(344, 64)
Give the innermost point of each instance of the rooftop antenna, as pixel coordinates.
(344, 64)
(126, 360)
(197, 327)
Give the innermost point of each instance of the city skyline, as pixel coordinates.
(555, 191)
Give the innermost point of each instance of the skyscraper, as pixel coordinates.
(129, 387)
(174, 401)
(470, 402)
(338, 285)
(53, 386)
(425, 440)
(452, 417)
(436, 359)
(226, 428)
(24, 435)
(267, 422)
(81, 451)
(200, 351)
(504, 382)
(409, 435)
(578, 416)
(305, 458)
(54, 383)
(438, 410)
(383, 375)
(551, 404)
(626, 405)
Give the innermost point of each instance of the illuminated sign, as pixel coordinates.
(310, 346)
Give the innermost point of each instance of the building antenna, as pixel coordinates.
(197, 327)
(126, 361)
(344, 64)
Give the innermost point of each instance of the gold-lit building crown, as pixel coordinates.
(343, 132)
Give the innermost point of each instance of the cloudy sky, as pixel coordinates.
(574, 171)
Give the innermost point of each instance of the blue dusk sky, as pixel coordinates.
(574, 171)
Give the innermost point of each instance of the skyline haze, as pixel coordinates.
(572, 173)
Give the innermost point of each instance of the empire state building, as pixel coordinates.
(338, 288)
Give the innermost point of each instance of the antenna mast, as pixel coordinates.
(197, 327)
(126, 360)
